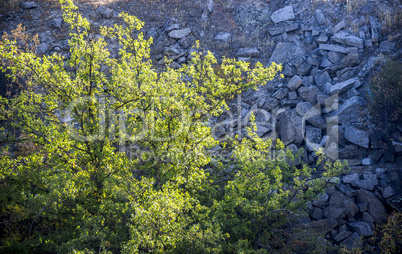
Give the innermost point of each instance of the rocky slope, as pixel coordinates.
(329, 50)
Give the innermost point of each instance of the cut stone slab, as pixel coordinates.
(247, 52)
(286, 13)
(342, 87)
(282, 29)
(362, 228)
(179, 34)
(357, 137)
(294, 83)
(348, 39)
(335, 48)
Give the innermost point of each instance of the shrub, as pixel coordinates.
(73, 187)
(386, 92)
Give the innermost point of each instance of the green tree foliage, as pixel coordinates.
(386, 92)
(69, 186)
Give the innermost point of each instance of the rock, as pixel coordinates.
(362, 228)
(331, 47)
(185, 42)
(270, 103)
(342, 236)
(386, 47)
(374, 206)
(351, 208)
(325, 63)
(247, 52)
(348, 112)
(42, 48)
(309, 94)
(395, 182)
(223, 37)
(323, 38)
(173, 27)
(28, 5)
(362, 206)
(338, 27)
(322, 78)
(286, 13)
(171, 51)
(262, 130)
(348, 39)
(319, 15)
(289, 103)
(104, 12)
(369, 220)
(294, 83)
(311, 114)
(350, 60)
(283, 53)
(304, 69)
(336, 199)
(179, 34)
(282, 29)
(387, 192)
(289, 71)
(353, 242)
(317, 214)
(375, 29)
(342, 87)
(323, 226)
(367, 162)
(357, 137)
(347, 191)
(55, 23)
(290, 127)
(397, 146)
(334, 212)
(313, 134)
(351, 179)
(280, 93)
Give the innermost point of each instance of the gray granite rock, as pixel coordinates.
(294, 83)
(286, 13)
(342, 236)
(342, 87)
(374, 206)
(223, 37)
(319, 15)
(179, 34)
(309, 94)
(361, 227)
(352, 242)
(332, 47)
(28, 5)
(348, 39)
(247, 52)
(356, 136)
(275, 30)
(311, 114)
(105, 12)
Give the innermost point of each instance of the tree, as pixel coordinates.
(72, 184)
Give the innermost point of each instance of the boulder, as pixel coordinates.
(294, 83)
(321, 78)
(275, 30)
(369, 182)
(352, 242)
(290, 127)
(317, 214)
(397, 146)
(223, 37)
(356, 136)
(28, 5)
(335, 48)
(342, 236)
(348, 112)
(342, 87)
(286, 13)
(179, 34)
(313, 134)
(309, 94)
(322, 226)
(311, 114)
(334, 212)
(338, 27)
(105, 12)
(348, 39)
(350, 60)
(283, 53)
(374, 206)
(247, 52)
(320, 17)
(361, 227)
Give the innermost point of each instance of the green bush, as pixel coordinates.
(73, 186)
(386, 92)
